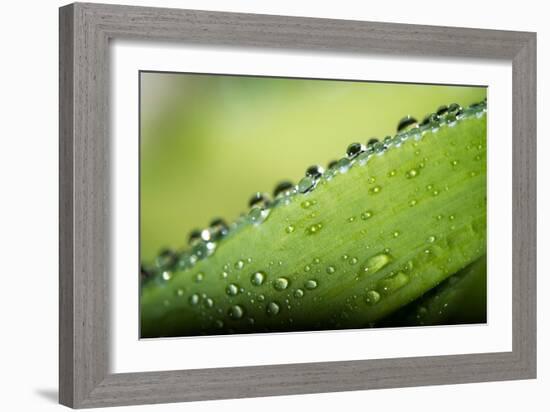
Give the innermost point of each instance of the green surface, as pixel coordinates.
(461, 298)
(347, 255)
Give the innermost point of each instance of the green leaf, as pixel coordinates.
(459, 299)
(368, 240)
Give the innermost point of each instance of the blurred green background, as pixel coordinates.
(208, 142)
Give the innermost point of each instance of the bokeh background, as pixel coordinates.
(208, 142)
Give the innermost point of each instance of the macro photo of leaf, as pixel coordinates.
(279, 204)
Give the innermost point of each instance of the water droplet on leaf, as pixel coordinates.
(194, 299)
(314, 229)
(257, 278)
(273, 308)
(232, 289)
(372, 297)
(354, 150)
(236, 312)
(281, 283)
(393, 282)
(310, 284)
(406, 123)
(377, 262)
(366, 215)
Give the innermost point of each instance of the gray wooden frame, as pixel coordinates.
(85, 31)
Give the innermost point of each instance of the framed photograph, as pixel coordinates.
(257, 205)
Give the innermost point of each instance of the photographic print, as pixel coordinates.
(273, 204)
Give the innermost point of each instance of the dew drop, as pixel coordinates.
(179, 292)
(199, 277)
(310, 284)
(314, 229)
(377, 262)
(206, 235)
(209, 302)
(194, 237)
(258, 215)
(166, 275)
(307, 268)
(273, 308)
(218, 229)
(166, 258)
(332, 164)
(284, 188)
(298, 293)
(232, 289)
(363, 158)
(376, 189)
(219, 323)
(372, 297)
(236, 312)
(429, 119)
(412, 202)
(392, 173)
(289, 229)
(343, 165)
(372, 141)
(355, 149)
(259, 199)
(394, 282)
(396, 233)
(407, 123)
(281, 283)
(442, 110)
(331, 270)
(455, 107)
(194, 299)
(315, 171)
(306, 204)
(366, 215)
(306, 184)
(412, 173)
(239, 264)
(351, 219)
(431, 239)
(257, 278)
(353, 261)
(454, 163)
